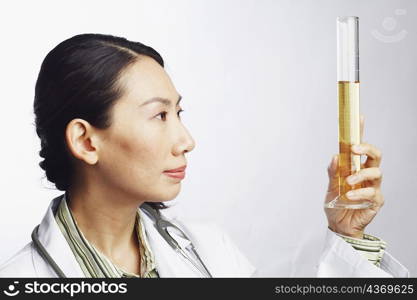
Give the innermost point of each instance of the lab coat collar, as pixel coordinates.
(169, 263)
(53, 240)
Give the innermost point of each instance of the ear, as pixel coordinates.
(80, 138)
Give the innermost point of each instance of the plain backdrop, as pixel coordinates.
(258, 80)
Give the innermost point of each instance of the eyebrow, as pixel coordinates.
(164, 101)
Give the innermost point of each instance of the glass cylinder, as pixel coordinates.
(349, 114)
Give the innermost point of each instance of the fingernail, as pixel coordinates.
(353, 179)
(331, 165)
(357, 148)
(334, 159)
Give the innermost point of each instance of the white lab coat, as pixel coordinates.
(216, 249)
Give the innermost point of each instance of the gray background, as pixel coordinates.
(258, 80)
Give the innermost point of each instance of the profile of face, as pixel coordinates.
(146, 137)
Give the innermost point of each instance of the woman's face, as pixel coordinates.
(146, 137)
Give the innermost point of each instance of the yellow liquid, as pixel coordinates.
(349, 134)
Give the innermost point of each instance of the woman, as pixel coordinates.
(108, 117)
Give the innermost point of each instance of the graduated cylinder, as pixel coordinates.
(348, 106)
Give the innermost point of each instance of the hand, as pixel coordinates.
(352, 222)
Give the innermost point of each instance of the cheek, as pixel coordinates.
(135, 164)
(136, 155)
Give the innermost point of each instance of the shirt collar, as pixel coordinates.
(92, 261)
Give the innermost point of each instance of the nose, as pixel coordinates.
(185, 143)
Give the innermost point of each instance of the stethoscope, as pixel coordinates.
(160, 224)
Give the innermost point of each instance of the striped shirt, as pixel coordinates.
(95, 264)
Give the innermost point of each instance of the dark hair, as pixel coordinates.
(79, 79)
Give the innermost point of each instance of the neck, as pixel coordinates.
(106, 218)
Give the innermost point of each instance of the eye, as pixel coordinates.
(180, 111)
(163, 115)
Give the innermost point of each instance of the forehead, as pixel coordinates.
(146, 79)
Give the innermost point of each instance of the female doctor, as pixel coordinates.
(108, 118)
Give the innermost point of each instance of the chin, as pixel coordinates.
(170, 194)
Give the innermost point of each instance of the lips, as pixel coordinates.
(177, 170)
(176, 173)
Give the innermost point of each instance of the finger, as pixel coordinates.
(362, 121)
(373, 154)
(332, 170)
(364, 175)
(367, 193)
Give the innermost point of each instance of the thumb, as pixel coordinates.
(332, 171)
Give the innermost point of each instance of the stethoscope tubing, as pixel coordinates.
(44, 253)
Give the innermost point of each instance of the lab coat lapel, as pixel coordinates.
(169, 263)
(52, 239)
